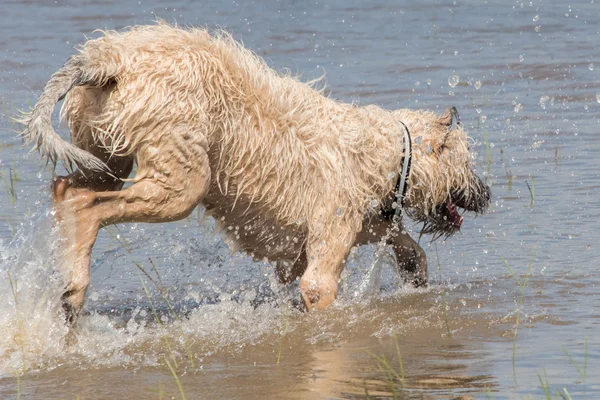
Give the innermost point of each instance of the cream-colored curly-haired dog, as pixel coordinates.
(289, 174)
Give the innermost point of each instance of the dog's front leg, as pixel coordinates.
(326, 256)
(411, 260)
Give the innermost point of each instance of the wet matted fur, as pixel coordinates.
(289, 174)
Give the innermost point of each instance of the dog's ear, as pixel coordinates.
(451, 120)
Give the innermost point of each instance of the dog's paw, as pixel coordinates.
(70, 314)
(311, 298)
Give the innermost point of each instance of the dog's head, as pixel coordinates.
(442, 179)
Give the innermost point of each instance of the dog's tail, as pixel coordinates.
(38, 123)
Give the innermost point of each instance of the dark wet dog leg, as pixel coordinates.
(411, 260)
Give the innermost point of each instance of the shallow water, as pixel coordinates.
(527, 78)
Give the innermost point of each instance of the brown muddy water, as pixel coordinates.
(524, 75)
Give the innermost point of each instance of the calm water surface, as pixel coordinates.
(522, 74)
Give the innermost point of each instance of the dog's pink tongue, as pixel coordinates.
(457, 219)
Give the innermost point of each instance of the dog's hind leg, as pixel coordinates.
(148, 200)
(93, 180)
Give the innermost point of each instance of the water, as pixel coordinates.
(519, 72)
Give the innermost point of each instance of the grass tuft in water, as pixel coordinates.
(559, 394)
(176, 379)
(158, 283)
(19, 337)
(489, 394)
(400, 362)
(390, 373)
(488, 154)
(282, 335)
(545, 385)
(509, 179)
(158, 321)
(582, 373)
(564, 394)
(9, 184)
(523, 285)
(444, 304)
(531, 190)
(18, 385)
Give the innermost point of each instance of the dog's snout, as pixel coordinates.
(477, 199)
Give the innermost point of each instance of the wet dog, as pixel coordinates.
(288, 174)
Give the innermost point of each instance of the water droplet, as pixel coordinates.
(522, 58)
(451, 93)
(483, 118)
(544, 100)
(591, 66)
(417, 83)
(478, 110)
(585, 107)
(537, 28)
(374, 203)
(453, 80)
(518, 107)
(477, 85)
(428, 81)
(598, 97)
(419, 139)
(339, 212)
(536, 18)
(456, 53)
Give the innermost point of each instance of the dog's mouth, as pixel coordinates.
(453, 215)
(447, 217)
(445, 220)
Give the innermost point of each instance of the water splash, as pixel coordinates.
(217, 302)
(31, 318)
(453, 81)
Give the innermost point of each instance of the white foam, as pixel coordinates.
(29, 332)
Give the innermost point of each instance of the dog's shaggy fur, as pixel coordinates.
(288, 174)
